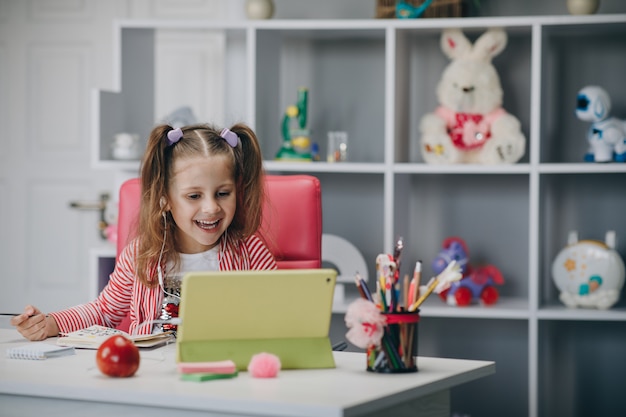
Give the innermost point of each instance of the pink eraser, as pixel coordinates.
(220, 367)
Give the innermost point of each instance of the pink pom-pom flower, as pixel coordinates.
(264, 365)
(365, 323)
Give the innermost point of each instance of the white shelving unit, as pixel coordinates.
(101, 264)
(375, 79)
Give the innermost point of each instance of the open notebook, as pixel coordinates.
(236, 314)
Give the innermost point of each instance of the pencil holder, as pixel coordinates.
(398, 346)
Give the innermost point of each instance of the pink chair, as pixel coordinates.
(291, 224)
(292, 220)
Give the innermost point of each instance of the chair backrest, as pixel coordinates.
(292, 220)
(291, 224)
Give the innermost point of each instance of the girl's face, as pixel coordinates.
(202, 199)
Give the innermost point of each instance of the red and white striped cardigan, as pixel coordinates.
(125, 293)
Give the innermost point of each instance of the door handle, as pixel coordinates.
(100, 205)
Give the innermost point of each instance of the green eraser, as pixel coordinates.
(206, 377)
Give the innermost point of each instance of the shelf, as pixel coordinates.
(343, 25)
(312, 167)
(375, 79)
(412, 168)
(582, 168)
(504, 309)
(409, 168)
(580, 314)
(277, 40)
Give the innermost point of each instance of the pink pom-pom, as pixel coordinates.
(264, 365)
(365, 323)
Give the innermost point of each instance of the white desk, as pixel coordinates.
(73, 386)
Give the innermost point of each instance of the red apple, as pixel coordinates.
(118, 357)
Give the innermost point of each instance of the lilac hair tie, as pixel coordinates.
(229, 137)
(174, 136)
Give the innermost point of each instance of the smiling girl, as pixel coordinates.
(202, 194)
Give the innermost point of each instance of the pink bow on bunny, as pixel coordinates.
(468, 130)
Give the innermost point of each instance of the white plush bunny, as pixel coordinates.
(470, 125)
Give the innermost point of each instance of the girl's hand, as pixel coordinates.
(34, 325)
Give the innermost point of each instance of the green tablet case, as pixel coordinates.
(236, 314)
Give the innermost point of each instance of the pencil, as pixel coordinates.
(423, 297)
(357, 281)
(409, 350)
(405, 291)
(397, 252)
(383, 303)
(366, 290)
(417, 275)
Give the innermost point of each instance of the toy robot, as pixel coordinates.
(606, 135)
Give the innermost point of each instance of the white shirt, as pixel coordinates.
(189, 262)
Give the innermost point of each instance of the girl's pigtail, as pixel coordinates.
(249, 161)
(155, 166)
(153, 186)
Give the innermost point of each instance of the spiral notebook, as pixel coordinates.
(38, 351)
(92, 337)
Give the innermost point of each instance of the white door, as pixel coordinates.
(52, 54)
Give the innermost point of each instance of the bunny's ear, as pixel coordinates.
(490, 44)
(455, 44)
